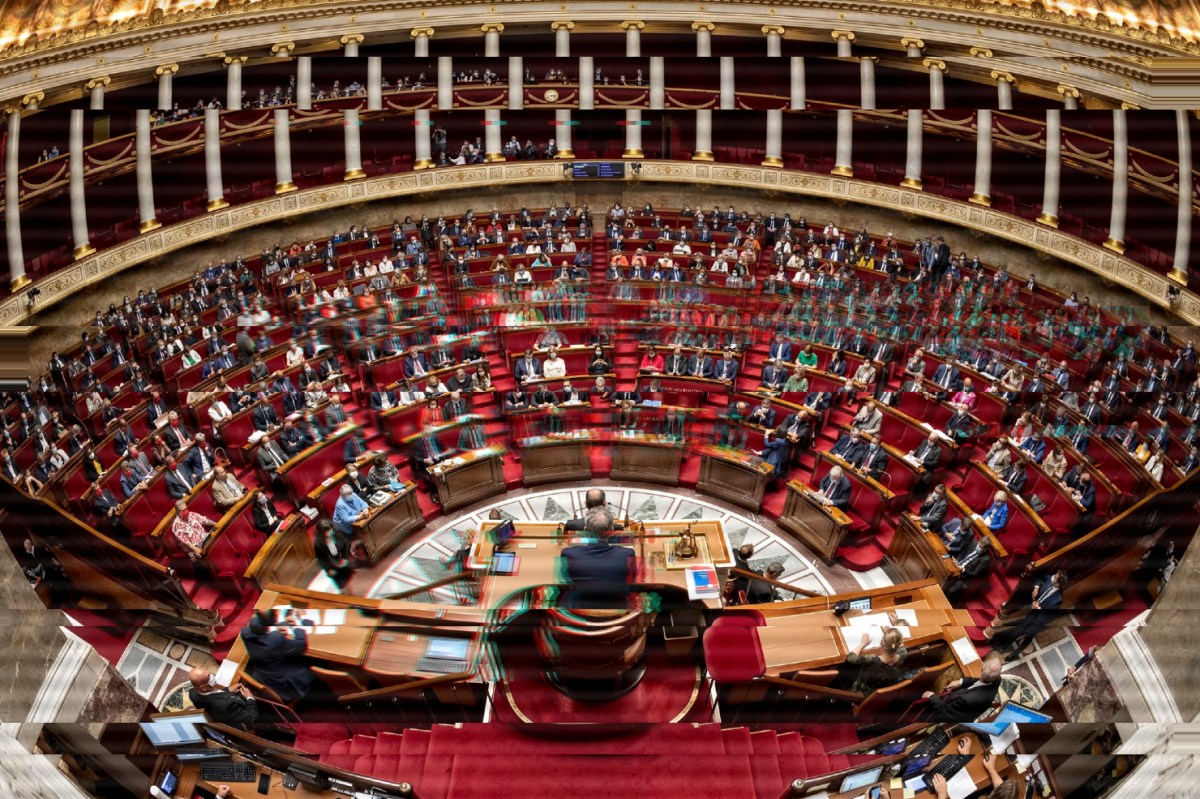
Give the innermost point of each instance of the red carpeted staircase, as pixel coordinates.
(666, 761)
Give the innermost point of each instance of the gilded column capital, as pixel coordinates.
(32, 99)
(934, 63)
(172, 68)
(241, 59)
(1068, 91)
(103, 80)
(847, 35)
(1003, 77)
(703, 26)
(417, 33)
(908, 42)
(981, 52)
(489, 27)
(351, 38)
(1128, 106)
(559, 24)
(778, 30)
(283, 48)
(627, 24)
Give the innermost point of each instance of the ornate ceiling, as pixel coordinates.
(35, 24)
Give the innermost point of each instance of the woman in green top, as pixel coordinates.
(882, 670)
(807, 357)
(797, 382)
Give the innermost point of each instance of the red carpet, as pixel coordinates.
(106, 632)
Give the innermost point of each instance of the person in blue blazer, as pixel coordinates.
(996, 516)
(777, 452)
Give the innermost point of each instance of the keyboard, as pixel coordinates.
(931, 745)
(199, 752)
(948, 766)
(233, 771)
(441, 665)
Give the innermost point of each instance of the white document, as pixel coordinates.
(335, 616)
(1024, 762)
(960, 785)
(916, 784)
(1001, 742)
(224, 675)
(324, 630)
(965, 650)
(907, 616)
(852, 636)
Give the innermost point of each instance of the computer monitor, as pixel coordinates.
(861, 779)
(861, 604)
(178, 730)
(168, 782)
(448, 648)
(502, 533)
(915, 765)
(1013, 713)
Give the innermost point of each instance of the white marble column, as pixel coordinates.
(658, 82)
(1070, 97)
(95, 88)
(562, 37)
(937, 83)
(915, 149)
(982, 193)
(491, 38)
(1004, 90)
(728, 96)
(774, 34)
(422, 141)
(233, 82)
(516, 83)
(587, 83)
(1183, 221)
(304, 83)
(843, 160)
(493, 150)
(633, 134)
(166, 76)
(445, 83)
(845, 40)
(633, 38)
(703, 150)
(145, 178)
(79, 225)
(798, 87)
(374, 83)
(563, 131)
(703, 31)
(212, 159)
(353, 126)
(1120, 189)
(774, 151)
(12, 204)
(866, 83)
(283, 152)
(421, 37)
(350, 43)
(1049, 214)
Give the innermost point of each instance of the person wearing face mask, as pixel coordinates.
(357, 481)
(266, 518)
(874, 461)
(349, 509)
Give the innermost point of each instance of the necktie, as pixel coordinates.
(275, 455)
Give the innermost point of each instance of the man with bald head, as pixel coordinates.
(233, 705)
(594, 498)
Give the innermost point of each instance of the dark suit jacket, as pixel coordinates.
(933, 513)
(276, 660)
(841, 493)
(928, 455)
(600, 574)
(965, 703)
(176, 487)
(225, 707)
(261, 522)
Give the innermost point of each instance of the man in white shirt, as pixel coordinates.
(554, 367)
(682, 248)
(386, 267)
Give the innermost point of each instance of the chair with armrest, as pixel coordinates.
(594, 653)
(928, 678)
(883, 699)
(340, 683)
(270, 701)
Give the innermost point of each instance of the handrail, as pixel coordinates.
(776, 583)
(447, 580)
(405, 687)
(832, 693)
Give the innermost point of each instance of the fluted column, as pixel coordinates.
(1183, 221)
(304, 83)
(703, 31)
(798, 87)
(422, 141)
(982, 194)
(79, 225)
(374, 83)
(283, 152)
(587, 83)
(633, 134)
(516, 83)
(95, 88)
(145, 179)
(774, 34)
(562, 37)
(937, 83)
(658, 82)
(1120, 189)
(866, 81)
(915, 149)
(445, 83)
(728, 95)
(633, 38)
(774, 151)
(12, 204)
(166, 77)
(233, 82)
(1070, 97)
(350, 43)
(703, 150)
(491, 38)
(843, 160)
(493, 150)
(421, 37)
(1004, 90)
(212, 159)
(352, 125)
(913, 48)
(562, 127)
(1049, 214)
(844, 41)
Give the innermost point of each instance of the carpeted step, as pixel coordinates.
(414, 748)
(389, 744)
(736, 741)
(765, 742)
(764, 765)
(861, 558)
(547, 740)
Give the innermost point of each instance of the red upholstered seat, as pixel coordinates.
(739, 618)
(733, 653)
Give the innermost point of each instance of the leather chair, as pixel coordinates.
(594, 654)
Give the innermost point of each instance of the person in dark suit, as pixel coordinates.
(976, 563)
(933, 509)
(874, 462)
(927, 454)
(958, 538)
(334, 551)
(527, 368)
(835, 489)
(759, 592)
(264, 416)
(384, 400)
(763, 415)
(175, 434)
(1045, 601)
(1015, 476)
(594, 498)
(232, 705)
(92, 467)
(700, 365)
(599, 572)
(108, 508)
(265, 517)
(968, 698)
(178, 478)
(777, 452)
(277, 657)
(850, 447)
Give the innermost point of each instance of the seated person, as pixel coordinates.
(850, 447)
(759, 592)
(933, 509)
(383, 474)
(265, 517)
(975, 565)
(958, 538)
(335, 551)
(775, 376)
(191, 530)
(834, 489)
(227, 490)
(996, 516)
(276, 657)
(777, 452)
(878, 670)
(927, 454)
(868, 419)
(763, 414)
(1015, 477)
(652, 363)
(875, 462)
(232, 705)
(599, 572)
(968, 698)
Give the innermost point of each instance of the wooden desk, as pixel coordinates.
(389, 524)
(556, 457)
(646, 458)
(819, 527)
(919, 554)
(729, 475)
(481, 475)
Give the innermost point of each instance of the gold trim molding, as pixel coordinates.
(560, 24)
(707, 26)
(908, 42)
(104, 80)
(417, 33)
(778, 30)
